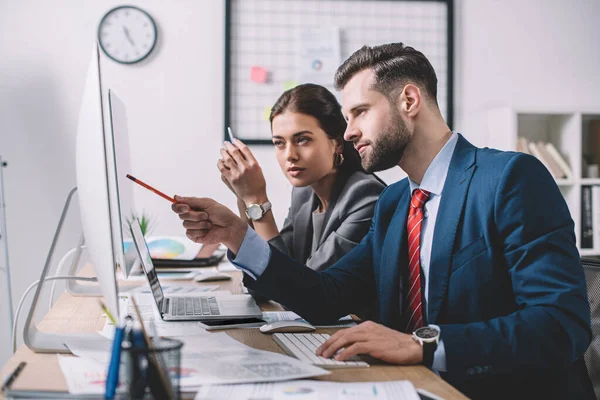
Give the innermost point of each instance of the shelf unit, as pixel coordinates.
(568, 131)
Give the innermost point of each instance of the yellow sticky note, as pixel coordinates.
(287, 85)
(266, 113)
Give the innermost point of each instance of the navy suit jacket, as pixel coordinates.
(506, 284)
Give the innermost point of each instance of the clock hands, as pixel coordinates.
(127, 35)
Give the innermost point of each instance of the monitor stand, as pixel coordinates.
(45, 342)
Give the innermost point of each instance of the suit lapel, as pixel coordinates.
(394, 259)
(462, 167)
(337, 189)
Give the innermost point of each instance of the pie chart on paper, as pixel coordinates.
(166, 248)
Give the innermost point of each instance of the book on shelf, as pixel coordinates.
(548, 155)
(559, 160)
(587, 218)
(554, 168)
(522, 145)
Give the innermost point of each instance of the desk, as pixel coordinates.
(83, 314)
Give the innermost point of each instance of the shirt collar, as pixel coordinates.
(435, 176)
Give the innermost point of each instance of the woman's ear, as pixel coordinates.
(339, 147)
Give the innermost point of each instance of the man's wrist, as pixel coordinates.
(236, 236)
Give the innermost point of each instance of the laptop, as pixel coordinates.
(190, 308)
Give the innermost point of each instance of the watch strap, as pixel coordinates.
(266, 206)
(428, 352)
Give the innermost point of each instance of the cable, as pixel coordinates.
(80, 246)
(61, 264)
(34, 284)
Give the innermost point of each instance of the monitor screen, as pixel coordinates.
(147, 265)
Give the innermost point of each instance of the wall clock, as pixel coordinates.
(127, 34)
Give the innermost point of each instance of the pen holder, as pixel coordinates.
(151, 373)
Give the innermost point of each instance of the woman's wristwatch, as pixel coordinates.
(256, 211)
(428, 337)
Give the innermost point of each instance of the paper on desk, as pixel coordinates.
(219, 359)
(98, 350)
(274, 316)
(83, 376)
(311, 390)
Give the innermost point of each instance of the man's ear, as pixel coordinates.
(410, 100)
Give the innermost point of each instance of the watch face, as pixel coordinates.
(427, 332)
(254, 211)
(127, 34)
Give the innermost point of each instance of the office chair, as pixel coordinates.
(591, 267)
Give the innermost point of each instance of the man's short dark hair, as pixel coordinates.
(394, 65)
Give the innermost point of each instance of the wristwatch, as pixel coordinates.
(256, 211)
(428, 337)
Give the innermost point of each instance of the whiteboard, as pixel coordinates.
(263, 34)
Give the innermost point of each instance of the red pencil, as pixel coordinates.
(158, 192)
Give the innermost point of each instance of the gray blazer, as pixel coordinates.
(346, 222)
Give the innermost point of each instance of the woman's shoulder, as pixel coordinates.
(361, 189)
(363, 181)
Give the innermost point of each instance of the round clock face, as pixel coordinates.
(127, 34)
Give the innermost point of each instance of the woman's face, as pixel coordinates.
(303, 150)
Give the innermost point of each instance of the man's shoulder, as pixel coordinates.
(495, 162)
(394, 192)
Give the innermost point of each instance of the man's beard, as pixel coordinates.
(388, 148)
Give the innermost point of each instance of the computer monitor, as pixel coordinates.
(97, 189)
(98, 195)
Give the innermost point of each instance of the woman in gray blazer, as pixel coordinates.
(333, 199)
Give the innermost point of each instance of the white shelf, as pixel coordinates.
(567, 130)
(564, 182)
(589, 252)
(590, 181)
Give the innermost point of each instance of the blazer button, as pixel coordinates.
(478, 370)
(470, 371)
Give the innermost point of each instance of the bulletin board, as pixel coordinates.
(268, 45)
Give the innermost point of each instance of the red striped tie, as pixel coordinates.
(413, 298)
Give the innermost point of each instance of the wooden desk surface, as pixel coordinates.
(83, 314)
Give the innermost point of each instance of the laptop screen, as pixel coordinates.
(146, 261)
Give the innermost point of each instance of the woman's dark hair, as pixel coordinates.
(321, 104)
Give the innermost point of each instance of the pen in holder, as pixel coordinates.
(151, 371)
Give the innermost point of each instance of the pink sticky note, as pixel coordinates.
(258, 74)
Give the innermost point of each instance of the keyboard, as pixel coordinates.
(193, 306)
(304, 345)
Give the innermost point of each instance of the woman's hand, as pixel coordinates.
(242, 174)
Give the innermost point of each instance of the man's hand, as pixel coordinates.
(209, 222)
(376, 340)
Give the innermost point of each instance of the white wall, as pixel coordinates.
(529, 53)
(535, 52)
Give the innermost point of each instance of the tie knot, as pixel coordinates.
(419, 198)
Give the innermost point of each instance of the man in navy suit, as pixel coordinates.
(471, 261)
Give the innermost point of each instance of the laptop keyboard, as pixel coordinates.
(194, 306)
(304, 345)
